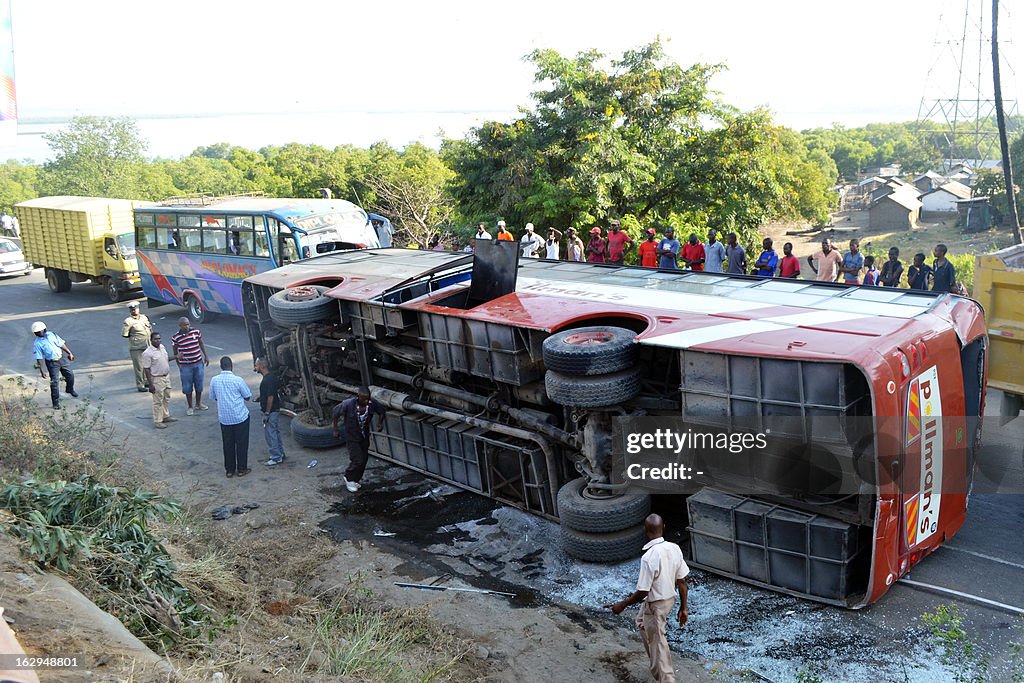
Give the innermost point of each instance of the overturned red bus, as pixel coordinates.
(508, 379)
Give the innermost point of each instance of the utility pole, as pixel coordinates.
(1004, 146)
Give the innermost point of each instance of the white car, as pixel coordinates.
(12, 261)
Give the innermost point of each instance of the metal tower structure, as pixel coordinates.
(963, 116)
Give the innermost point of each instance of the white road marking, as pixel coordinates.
(984, 556)
(214, 347)
(964, 596)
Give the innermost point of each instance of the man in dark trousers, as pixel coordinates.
(662, 572)
(52, 356)
(231, 392)
(943, 272)
(355, 414)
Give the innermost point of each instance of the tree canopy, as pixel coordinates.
(636, 136)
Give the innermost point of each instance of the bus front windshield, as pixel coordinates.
(342, 229)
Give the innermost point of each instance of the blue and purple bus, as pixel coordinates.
(195, 252)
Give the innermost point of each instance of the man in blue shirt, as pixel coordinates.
(52, 356)
(768, 261)
(668, 250)
(231, 392)
(853, 263)
(714, 253)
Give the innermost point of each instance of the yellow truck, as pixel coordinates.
(999, 287)
(82, 239)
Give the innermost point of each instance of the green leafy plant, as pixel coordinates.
(960, 653)
(99, 535)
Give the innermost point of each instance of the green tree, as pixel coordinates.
(18, 182)
(644, 138)
(95, 156)
(411, 188)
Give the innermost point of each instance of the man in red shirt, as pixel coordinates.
(789, 266)
(618, 242)
(649, 250)
(692, 253)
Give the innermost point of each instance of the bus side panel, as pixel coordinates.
(215, 279)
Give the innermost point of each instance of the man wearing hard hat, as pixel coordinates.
(52, 356)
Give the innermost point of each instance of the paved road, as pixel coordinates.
(985, 559)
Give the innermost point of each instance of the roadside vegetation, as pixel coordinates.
(174, 580)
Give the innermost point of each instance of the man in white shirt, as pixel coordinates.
(662, 571)
(156, 365)
(531, 243)
(552, 244)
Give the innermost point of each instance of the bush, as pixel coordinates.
(964, 264)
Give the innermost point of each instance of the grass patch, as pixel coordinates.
(357, 639)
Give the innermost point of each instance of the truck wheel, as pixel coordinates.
(577, 510)
(194, 309)
(590, 350)
(592, 392)
(306, 304)
(58, 280)
(610, 547)
(110, 287)
(305, 433)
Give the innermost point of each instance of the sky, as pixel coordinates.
(400, 71)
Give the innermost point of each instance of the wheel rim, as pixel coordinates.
(588, 338)
(194, 309)
(302, 294)
(597, 494)
(112, 292)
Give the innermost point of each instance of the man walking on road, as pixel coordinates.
(136, 330)
(231, 392)
(193, 360)
(157, 367)
(50, 353)
(270, 406)
(355, 414)
(662, 571)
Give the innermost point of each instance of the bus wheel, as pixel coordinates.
(579, 510)
(307, 434)
(610, 547)
(592, 392)
(110, 287)
(306, 304)
(590, 350)
(195, 310)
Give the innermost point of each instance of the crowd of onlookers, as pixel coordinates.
(828, 264)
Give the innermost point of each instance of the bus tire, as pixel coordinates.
(110, 288)
(590, 350)
(58, 280)
(608, 547)
(592, 392)
(578, 511)
(194, 309)
(306, 304)
(307, 434)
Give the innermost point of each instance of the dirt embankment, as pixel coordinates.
(295, 601)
